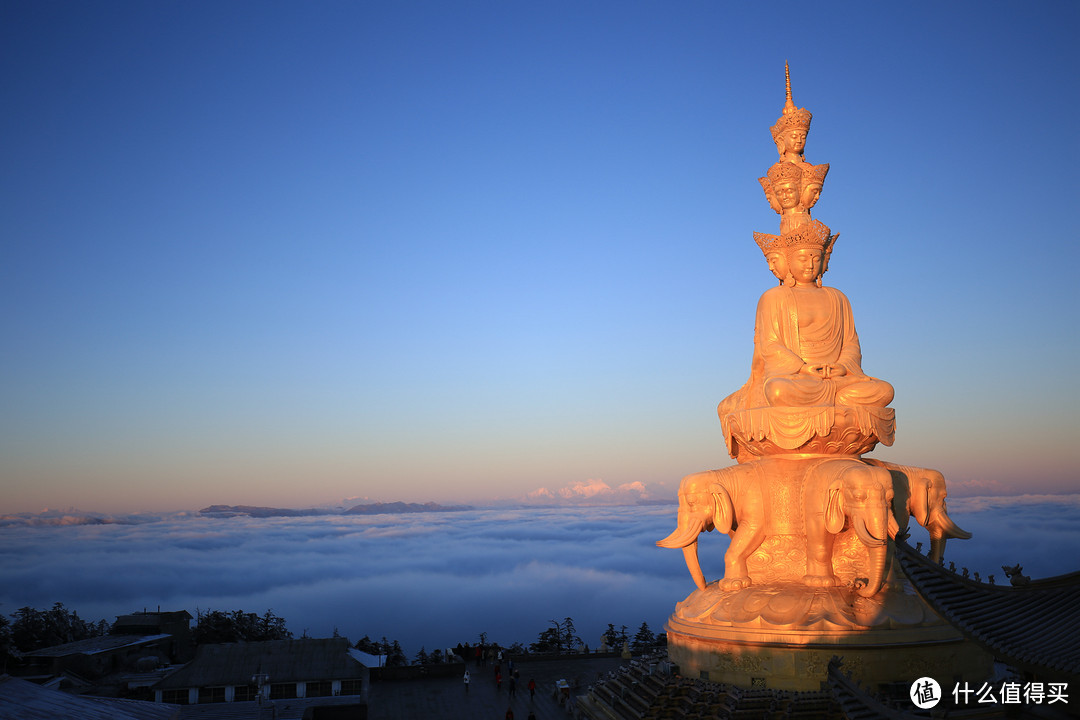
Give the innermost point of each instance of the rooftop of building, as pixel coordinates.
(1034, 626)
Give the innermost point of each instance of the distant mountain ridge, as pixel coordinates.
(400, 507)
(255, 511)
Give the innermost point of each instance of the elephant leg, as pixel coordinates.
(744, 541)
(819, 572)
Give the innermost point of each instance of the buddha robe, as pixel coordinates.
(787, 340)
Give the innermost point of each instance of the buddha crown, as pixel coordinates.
(792, 116)
(768, 243)
(784, 172)
(814, 234)
(816, 173)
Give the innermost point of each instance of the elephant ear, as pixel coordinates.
(834, 508)
(723, 509)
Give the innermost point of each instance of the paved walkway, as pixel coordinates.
(446, 699)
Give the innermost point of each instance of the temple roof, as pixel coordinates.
(1034, 627)
(22, 700)
(300, 659)
(96, 645)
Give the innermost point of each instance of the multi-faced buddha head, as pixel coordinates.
(778, 264)
(806, 253)
(769, 194)
(774, 254)
(786, 181)
(813, 180)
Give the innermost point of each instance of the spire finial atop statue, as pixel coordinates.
(787, 83)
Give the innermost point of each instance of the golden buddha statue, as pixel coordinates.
(806, 378)
(805, 334)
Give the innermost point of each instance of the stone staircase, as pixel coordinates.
(641, 690)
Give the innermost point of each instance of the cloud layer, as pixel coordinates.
(440, 578)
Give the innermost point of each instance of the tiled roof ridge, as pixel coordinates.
(1028, 625)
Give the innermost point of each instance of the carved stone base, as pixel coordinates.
(830, 430)
(782, 636)
(803, 667)
(811, 613)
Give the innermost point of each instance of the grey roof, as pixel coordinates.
(283, 660)
(22, 700)
(150, 618)
(292, 709)
(1034, 626)
(95, 645)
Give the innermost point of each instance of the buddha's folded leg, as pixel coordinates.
(799, 390)
(865, 391)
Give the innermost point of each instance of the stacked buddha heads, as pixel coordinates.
(792, 186)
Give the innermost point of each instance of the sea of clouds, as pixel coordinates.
(435, 579)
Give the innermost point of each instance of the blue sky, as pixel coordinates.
(283, 254)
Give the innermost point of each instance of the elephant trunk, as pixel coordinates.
(878, 558)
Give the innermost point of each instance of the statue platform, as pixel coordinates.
(782, 635)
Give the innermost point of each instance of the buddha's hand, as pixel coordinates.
(818, 370)
(835, 371)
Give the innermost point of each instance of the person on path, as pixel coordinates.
(509, 713)
(532, 715)
(513, 687)
(498, 680)
(466, 682)
(532, 688)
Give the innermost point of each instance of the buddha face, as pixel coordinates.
(810, 195)
(787, 194)
(804, 265)
(777, 264)
(795, 140)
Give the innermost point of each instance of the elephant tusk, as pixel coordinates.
(694, 565)
(686, 533)
(945, 525)
(868, 538)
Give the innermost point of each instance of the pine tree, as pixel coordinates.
(396, 656)
(644, 639)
